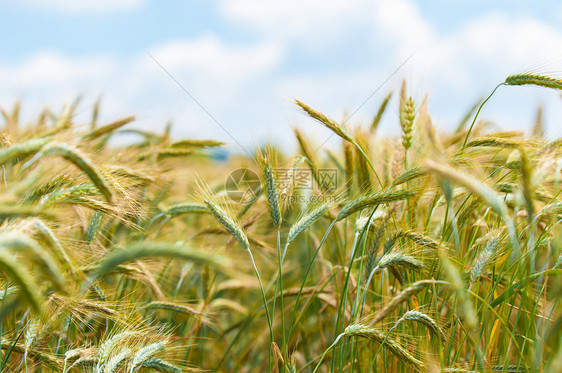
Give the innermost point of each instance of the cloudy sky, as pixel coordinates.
(244, 61)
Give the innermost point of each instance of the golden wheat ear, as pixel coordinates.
(382, 108)
(76, 157)
(108, 128)
(337, 128)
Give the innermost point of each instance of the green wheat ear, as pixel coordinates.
(534, 79)
(157, 249)
(29, 290)
(16, 151)
(228, 223)
(271, 189)
(382, 196)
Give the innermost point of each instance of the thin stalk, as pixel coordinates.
(369, 162)
(476, 116)
(264, 301)
(293, 316)
(280, 280)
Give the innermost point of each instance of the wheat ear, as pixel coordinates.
(160, 365)
(382, 196)
(16, 151)
(382, 108)
(534, 79)
(338, 129)
(157, 249)
(306, 221)
(145, 353)
(76, 157)
(23, 279)
(118, 359)
(108, 128)
(404, 295)
(228, 223)
(192, 143)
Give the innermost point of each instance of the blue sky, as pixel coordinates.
(246, 60)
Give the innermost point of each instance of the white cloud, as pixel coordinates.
(53, 68)
(224, 78)
(85, 6)
(521, 42)
(455, 66)
(216, 60)
(249, 87)
(314, 23)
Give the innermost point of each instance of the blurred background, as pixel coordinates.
(244, 61)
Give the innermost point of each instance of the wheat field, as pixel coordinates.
(438, 251)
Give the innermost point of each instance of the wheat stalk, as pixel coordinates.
(480, 189)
